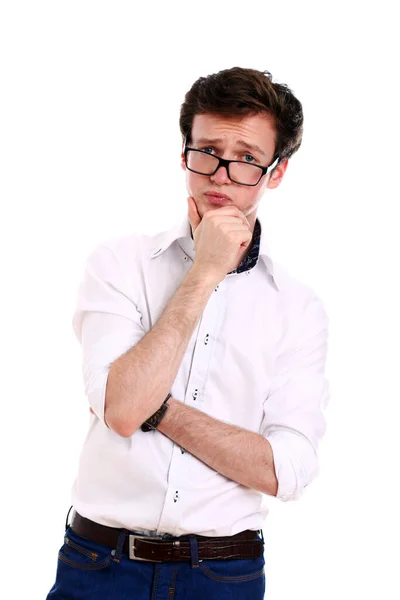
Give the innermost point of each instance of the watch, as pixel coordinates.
(155, 419)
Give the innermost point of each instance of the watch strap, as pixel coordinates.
(152, 422)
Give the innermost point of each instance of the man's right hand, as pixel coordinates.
(220, 238)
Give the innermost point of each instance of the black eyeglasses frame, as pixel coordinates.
(225, 163)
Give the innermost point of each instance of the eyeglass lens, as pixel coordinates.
(207, 163)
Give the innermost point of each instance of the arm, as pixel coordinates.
(294, 421)
(238, 454)
(139, 380)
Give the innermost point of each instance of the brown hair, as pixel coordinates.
(243, 92)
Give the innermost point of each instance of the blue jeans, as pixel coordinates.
(90, 571)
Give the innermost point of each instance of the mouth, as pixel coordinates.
(217, 198)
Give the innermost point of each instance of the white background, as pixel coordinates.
(90, 99)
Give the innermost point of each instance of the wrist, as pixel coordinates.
(204, 277)
(154, 420)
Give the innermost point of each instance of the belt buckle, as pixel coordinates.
(132, 539)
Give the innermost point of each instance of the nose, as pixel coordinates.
(220, 176)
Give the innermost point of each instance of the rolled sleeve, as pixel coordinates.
(106, 322)
(294, 420)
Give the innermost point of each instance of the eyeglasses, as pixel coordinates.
(239, 171)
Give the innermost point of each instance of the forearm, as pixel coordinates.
(139, 380)
(236, 453)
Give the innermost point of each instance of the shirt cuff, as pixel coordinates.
(295, 462)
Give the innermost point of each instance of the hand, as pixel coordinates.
(220, 238)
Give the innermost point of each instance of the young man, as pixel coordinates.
(203, 364)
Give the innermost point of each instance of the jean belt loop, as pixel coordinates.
(262, 536)
(194, 556)
(66, 520)
(120, 544)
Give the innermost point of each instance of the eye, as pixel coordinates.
(206, 149)
(252, 159)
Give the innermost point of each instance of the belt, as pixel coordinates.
(175, 549)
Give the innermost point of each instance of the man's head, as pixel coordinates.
(238, 114)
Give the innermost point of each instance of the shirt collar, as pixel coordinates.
(181, 232)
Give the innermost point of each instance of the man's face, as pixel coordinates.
(226, 137)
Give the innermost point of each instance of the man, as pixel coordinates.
(203, 364)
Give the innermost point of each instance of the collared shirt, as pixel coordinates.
(256, 359)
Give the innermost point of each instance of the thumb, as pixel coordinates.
(194, 217)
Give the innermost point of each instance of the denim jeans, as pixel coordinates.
(90, 571)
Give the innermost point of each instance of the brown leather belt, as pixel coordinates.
(175, 549)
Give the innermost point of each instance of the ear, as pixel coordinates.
(278, 174)
(183, 164)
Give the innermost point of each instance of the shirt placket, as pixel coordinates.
(179, 467)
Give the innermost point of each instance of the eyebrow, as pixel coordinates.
(241, 143)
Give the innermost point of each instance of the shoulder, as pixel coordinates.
(123, 250)
(298, 297)
(131, 244)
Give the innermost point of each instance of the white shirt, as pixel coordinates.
(256, 359)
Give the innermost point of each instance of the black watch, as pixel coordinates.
(153, 421)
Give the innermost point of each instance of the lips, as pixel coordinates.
(217, 195)
(218, 198)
